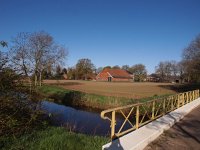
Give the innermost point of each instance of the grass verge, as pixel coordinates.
(53, 138)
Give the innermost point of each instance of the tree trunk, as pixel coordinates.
(35, 79)
(40, 80)
(30, 85)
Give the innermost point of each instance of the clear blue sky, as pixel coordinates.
(109, 32)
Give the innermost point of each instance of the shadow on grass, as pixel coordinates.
(74, 98)
(71, 98)
(182, 87)
(65, 83)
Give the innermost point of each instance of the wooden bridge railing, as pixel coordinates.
(139, 114)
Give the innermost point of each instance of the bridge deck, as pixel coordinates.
(140, 138)
(183, 135)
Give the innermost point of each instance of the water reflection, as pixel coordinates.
(80, 121)
(77, 120)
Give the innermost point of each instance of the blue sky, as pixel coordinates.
(109, 32)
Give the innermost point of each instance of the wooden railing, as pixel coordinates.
(131, 117)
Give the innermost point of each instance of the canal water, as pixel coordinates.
(77, 120)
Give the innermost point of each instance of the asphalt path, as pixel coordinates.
(184, 135)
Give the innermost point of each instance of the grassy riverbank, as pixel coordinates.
(80, 99)
(23, 126)
(53, 138)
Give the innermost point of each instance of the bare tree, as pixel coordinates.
(20, 55)
(191, 57)
(45, 51)
(160, 70)
(182, 71)
(168, 70)
(174, 68)
(36, 52)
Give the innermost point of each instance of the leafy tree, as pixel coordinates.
(84, 68)
(3, 60)
(71, 74)
(3, 43)
(116, 67)
(9, 79)
(139, 71)
(7, 76)
(126, 67)
(64, 71)
(17, 114)
(109, 67)
(3, 56)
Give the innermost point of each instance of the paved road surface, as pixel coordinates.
(184, 135)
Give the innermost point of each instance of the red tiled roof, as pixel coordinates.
(117, 73)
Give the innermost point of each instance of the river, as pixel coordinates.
(80, 121)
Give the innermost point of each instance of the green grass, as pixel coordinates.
(51, 89)
(80, 99)
(52, 93)
(54, 138)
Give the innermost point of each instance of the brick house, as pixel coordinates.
(114, 75)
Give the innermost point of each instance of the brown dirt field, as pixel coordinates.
(118, 89)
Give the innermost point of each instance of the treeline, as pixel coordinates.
(187, 70)
(169, 71)
(36, 56)
(85, 70)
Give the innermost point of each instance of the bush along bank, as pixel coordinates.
(24, 126)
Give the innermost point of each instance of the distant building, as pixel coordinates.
(153, 78)
(65, 76)
(114, 75)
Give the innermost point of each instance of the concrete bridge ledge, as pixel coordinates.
(139, 139)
